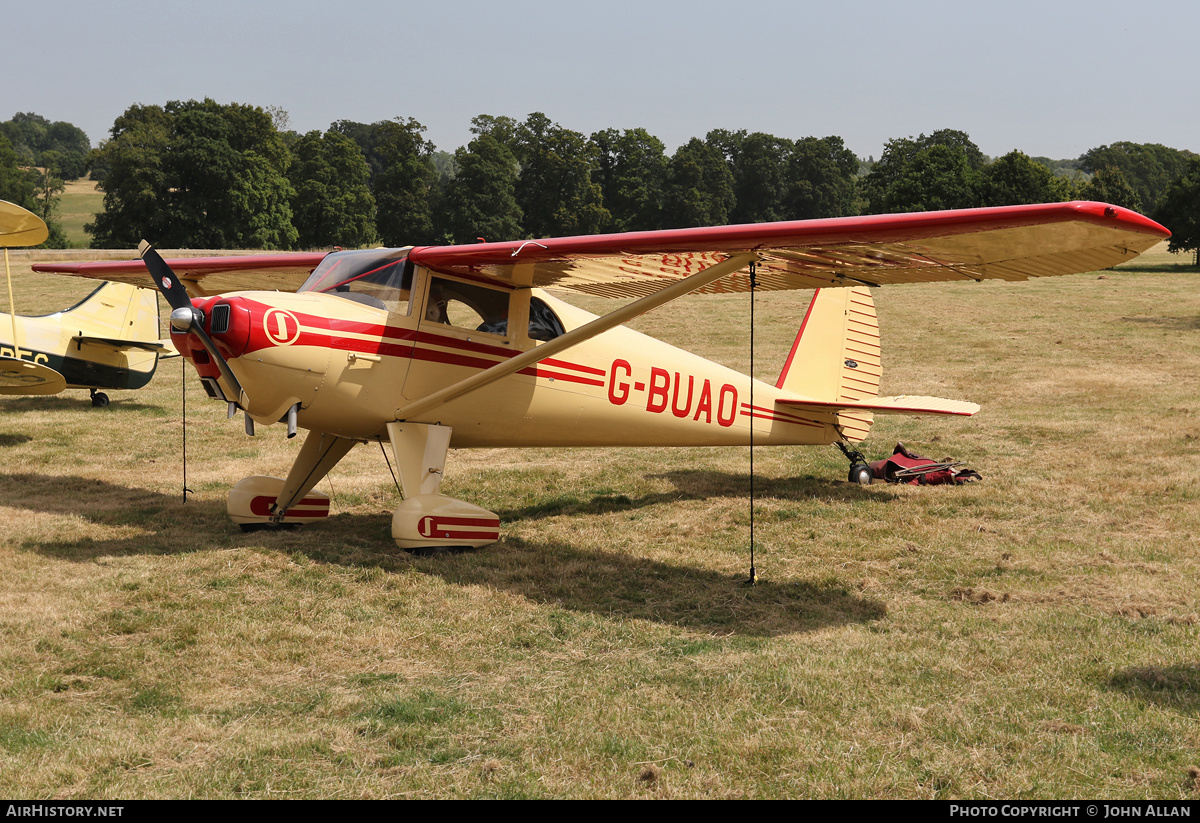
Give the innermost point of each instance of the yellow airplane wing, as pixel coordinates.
(204, 276)
(24, 377)
(1006, 243)
(19, 227)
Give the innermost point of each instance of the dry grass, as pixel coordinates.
(1031, 636)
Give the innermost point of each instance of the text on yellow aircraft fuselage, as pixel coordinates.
(664, 390)
(24, 354)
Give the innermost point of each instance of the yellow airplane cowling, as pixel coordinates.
(251, 499)
(432, 520)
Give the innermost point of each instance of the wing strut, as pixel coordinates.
(576, 336)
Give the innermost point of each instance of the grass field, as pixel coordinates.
(1031, 636)
(80, 203)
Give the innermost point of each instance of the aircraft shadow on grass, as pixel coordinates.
(1168, 323)
(696, 484)
(624, 585)
(1175, 687)
(59, 403)
(609, 583)
(165, 517)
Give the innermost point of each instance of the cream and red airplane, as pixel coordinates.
(431, 347)
(109, 340)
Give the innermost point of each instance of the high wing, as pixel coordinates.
(1005, 243)
(203, 276)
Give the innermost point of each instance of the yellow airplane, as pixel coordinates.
(429, 347)
(109, 340)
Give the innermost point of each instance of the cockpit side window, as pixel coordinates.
(466, 306)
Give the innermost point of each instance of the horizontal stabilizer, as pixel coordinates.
(904, 404)
(143, 345)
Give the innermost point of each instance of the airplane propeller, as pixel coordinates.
(185, 317)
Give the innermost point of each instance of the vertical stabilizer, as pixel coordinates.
(835, 357)
(118, 311)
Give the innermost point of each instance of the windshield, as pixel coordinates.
(377, 277)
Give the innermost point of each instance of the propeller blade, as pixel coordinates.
(174, 292)
(185, 317)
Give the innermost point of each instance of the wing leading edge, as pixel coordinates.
(205, 275)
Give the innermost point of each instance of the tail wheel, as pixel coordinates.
(99, 399)
(861, 473)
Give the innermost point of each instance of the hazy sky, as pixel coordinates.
(1052, 78)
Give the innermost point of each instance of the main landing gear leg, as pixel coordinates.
(426, 519)
(257, 502)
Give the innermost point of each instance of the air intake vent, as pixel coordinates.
(220, 318)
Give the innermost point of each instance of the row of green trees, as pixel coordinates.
(205, 175)
(36, 155)
(60, 148)
(202, 174)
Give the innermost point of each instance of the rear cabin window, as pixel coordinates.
(543, 322)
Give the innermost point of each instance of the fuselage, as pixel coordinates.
(354, 361)
(71, 341)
